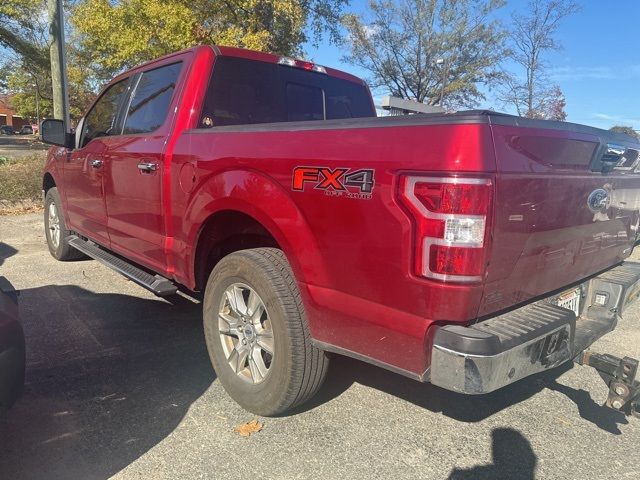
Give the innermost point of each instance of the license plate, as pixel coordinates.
(570, 300)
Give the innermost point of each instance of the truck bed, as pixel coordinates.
(353, 256)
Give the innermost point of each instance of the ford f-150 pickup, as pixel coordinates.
(469, 249)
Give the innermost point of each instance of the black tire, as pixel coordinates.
(297, 369)
(62, 251)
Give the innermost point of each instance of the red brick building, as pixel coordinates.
(8, 116)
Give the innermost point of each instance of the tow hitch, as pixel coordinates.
(620, 376)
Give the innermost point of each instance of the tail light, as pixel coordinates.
(451, 216)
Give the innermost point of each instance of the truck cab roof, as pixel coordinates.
(225, 51)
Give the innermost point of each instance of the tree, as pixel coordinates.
(555, 104)
(531, 37)
(626, 130)
(105, 36)
(23, 31)
(23, 35)
(21, 84)
(431, 51)
(550, 106)
(26, 69)
(123, 33)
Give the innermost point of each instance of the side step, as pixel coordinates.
(526, 323)
(155, 283)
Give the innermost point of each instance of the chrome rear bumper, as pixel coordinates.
(494, 353)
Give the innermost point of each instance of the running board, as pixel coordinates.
(155, 283)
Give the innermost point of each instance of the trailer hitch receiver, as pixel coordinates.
(620, 376)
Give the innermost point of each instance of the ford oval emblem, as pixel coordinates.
(598, 200)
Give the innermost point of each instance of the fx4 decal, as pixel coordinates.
(337, 182)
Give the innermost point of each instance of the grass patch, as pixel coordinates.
(21, 178)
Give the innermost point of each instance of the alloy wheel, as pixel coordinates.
(54, 225)
(246, 333)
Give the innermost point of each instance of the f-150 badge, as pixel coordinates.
(337, 182)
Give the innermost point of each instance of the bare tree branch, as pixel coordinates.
(533, 35)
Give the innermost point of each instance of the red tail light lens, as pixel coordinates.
(451, 218)
(460, 199)
(445, 260)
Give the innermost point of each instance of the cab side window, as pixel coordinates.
(101, 120)
(151, 100)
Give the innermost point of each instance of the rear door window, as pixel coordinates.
(151, 99)
(245, 91)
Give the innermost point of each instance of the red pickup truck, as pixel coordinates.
(470, 249)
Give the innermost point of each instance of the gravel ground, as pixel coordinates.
(119, 384)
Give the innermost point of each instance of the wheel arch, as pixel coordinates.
(258, 206)
(225, 232)
(48, 182)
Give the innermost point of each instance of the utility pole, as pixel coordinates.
(35, 86)
(38, 109)
(58, 63)
(444, 68)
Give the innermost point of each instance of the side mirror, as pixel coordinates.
(53, 132)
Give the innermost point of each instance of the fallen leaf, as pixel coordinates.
(19, 209)
(246, 429)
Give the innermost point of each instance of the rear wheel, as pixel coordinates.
(56, 229)
(257, 334)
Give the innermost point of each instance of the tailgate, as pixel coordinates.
(567, 206)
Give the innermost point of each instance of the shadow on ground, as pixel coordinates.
(466, 408)
(108, 377)
(6, 251)
(513, 459)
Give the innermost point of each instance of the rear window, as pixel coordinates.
(246, 91)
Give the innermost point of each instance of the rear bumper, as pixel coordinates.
(497, 352)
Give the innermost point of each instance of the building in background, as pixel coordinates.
(8, 115)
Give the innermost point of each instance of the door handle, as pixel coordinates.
(95, 163)
(147, 167)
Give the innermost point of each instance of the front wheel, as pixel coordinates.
(56, 229)
(257, 334)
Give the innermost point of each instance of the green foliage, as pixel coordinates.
(23, 31)
(422, 49)
(123, 33)
(24, 85)
(23, 82)
(106, 36)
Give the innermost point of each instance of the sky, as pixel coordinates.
(598, 68)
